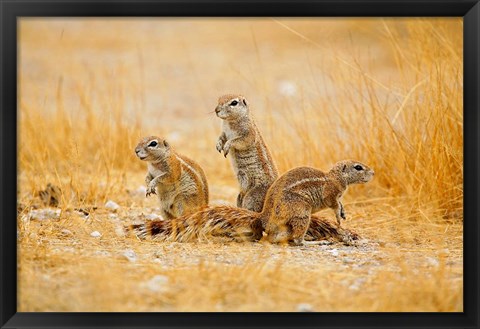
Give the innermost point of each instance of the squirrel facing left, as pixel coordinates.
(179, 182)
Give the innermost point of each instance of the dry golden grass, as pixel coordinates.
(387, 92)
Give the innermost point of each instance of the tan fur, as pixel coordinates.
(179, 182)
(287, 213)
(298, 193)
(251, 160)
(232, 223)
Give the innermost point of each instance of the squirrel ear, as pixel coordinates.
(165, 143)
(244, 102)
(344, 167)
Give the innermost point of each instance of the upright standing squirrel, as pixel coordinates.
(250, 157)
(287, 213)
(179, 182)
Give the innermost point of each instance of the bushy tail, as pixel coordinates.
(222, 221)
(234, 223)
(322, 229)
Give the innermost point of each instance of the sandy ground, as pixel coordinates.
(74, 262)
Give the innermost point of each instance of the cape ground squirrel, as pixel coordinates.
(233, 223)
(179, 182)
(302, 191)
(250, 157)
(287, 213)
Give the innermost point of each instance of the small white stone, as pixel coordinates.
(153, 217)
(120, 232)
(157, 284)
(66, 232)
(43, 214)
(348, 260)
(304, 307)
(433, 261)
(111, 205)
(130, 255)
(334, 252)
(95, 234)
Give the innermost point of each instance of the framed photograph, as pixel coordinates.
(235, 164)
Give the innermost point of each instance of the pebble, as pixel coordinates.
(66, 232)
(112, 205)
(304, 307)
(42, 214)
(153, 217)
(348, 260)
(157, 284)
(130, 255)
(120, 232)
(95, 234)
(334, 252)
(432, 261)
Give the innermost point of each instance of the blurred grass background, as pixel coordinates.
(387, 92)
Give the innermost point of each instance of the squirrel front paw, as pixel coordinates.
(150, 190)
(226, 148)
(340, 216)
(219, 145)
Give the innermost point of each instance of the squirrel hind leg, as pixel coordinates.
(297, 227)
(257, 230)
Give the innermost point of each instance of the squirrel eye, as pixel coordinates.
(358, 167)
(152, 144)
(233, 103)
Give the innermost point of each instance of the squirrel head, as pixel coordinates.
(152, 148)
(232, 107)
(353, 172)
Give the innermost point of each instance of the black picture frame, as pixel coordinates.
(12, 10)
